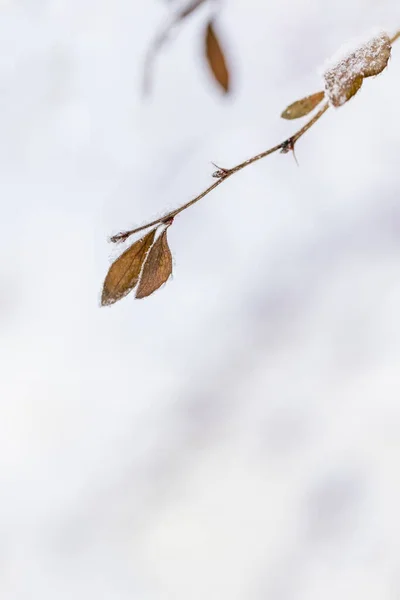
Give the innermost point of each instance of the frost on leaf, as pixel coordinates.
(344, 75)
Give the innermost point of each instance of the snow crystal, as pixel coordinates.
(345, 71)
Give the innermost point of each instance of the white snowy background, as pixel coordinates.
(237, 435)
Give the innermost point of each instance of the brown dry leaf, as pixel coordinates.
(341, 93)
(345, 75)
(216, 58)
(190, 8)
(377, 56)
(353, 87)
(124, 273)
(302, 107)
(157, 268)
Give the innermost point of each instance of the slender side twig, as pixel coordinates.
(222, 174)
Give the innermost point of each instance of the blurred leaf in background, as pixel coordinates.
(214, 53)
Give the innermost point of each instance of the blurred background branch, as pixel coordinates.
(213, 51)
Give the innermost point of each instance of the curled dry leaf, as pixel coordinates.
(344, 77)
(157, 268)
(302, 107)
(216, 58)
(124, 273)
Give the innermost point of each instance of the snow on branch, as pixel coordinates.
(346, 70)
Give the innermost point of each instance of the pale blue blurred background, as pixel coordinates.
(237, 435)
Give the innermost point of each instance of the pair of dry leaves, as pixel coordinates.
(146, 265)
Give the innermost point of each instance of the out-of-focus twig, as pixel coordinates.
(161, 38)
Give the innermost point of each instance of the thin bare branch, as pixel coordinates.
(222, 174)
(395, 37)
